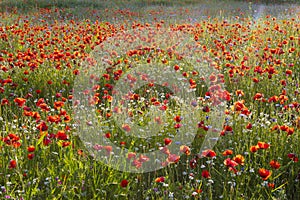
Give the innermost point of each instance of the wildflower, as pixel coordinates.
(177, 118)
(12, 140)
(20, 101)
(108, 149)
(239, 159)
(213, 78)
(136, 163)
(293, 157)
(126, 127)
(42, 126)
(30, 156)
(193, 163)
(227, 152)
(143, 158)
(176, 126)
(205, 174)
(46, 141)
(58, 105)
(131, 155)
(61, 135)
(4, 101)
(160, 179)
(239, 93)
(288, 72)
(185, 149)
(107, 135)
(227, 129)
(271, 185)
(263, 145)
(165, 150)
(231, 164)
(249, 126)
(274, 164)
(176, 67)
(12, 164)
(124, 183)
(254, 148)
(208, 153)
(167, 141)
(122, 143)
(257, 96)
(264, 173)
(65, 143)
(290, 131)
(205, 109)
(31, 148)
(173, 158)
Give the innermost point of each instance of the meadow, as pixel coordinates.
(60, 64)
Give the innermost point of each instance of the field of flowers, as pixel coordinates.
(252, 50)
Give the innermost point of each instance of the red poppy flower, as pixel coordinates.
(288, 72)
(46, 141)
(124, 183)
(258, 96)
(30, 156)
(176, 67)
(122, 143)
(205, 109)
(126, 127)
(185, 149)
(227, 128)
(61, 135)
(177, 126)
(263, 145)
(231, 164)
(264, 173)
(205, 174)
(65, 143)
(165, 150)
(12, 164)
(254, 148)
(290, 131)
(273, 99)
(58, 105)
(167, 141)
(143, 158)
(67, 118)
(239, 93)
(44, 107)
(274, 164)
(131, 155)
(208, 153)
(160, 179)
(107, 135)
(227, 152)
(20, 101)
(249, 126)
(4, 101)
(31, 148)
(271, 185)
(177, 118)
(173, 158)
(12, 139)
(136, 163)
(293, 157)
(193, 163)
(239, 159)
